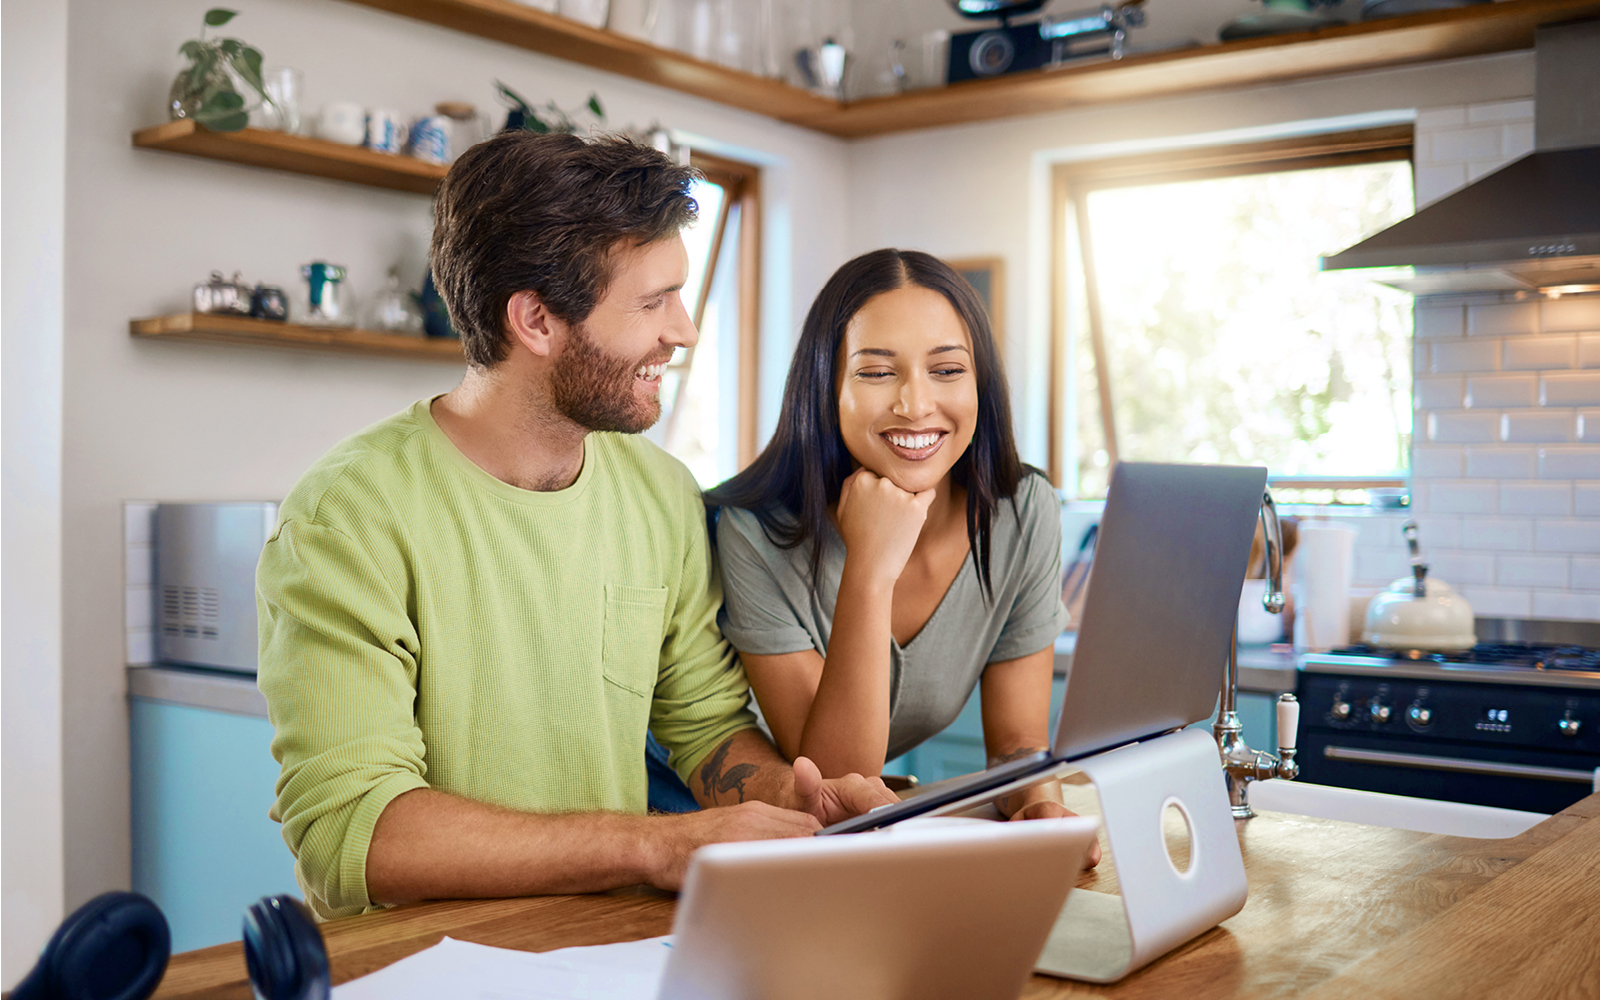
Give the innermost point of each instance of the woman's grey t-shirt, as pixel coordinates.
(769, 607)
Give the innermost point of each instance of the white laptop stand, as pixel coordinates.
(1101, 938)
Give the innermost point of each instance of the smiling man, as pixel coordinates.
(472, 612)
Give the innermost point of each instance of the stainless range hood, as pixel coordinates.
(1533, 224)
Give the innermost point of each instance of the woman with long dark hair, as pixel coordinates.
(889, 552)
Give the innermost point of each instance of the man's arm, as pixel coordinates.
(431, 845)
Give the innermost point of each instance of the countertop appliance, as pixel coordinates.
(205, 575)
(1514, 722)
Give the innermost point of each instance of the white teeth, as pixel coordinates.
(912, 442)
(650, 371)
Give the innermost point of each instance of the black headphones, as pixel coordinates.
(116, 946)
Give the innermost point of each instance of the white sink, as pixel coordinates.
(1399, 812)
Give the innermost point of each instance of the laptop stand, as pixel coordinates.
(1101, 938)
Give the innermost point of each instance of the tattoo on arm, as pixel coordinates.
(1017, 754)
(716, 778)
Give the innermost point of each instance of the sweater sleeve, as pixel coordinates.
(701, 696)
(338, 667)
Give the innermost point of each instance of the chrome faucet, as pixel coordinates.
(1240, 764)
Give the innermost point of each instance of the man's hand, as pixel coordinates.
(833, 799)
(1049, 809)
(682, 835)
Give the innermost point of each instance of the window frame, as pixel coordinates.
(741, 183)
(1071, 184)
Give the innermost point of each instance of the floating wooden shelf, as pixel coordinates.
(1416, 38)
(264, 333)
(294, 153)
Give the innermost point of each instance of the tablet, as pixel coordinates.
(957, 909)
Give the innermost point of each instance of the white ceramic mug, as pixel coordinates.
(343, 122)
(386, 131)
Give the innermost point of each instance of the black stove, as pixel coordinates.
(1513, 722)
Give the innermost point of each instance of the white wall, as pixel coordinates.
(172, 421)
(983, 189)
(35, 110)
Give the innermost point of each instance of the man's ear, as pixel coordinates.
(531, 324)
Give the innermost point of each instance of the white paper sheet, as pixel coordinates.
(461, 970)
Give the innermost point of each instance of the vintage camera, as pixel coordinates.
(1016, 47)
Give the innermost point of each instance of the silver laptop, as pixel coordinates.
(1153, 642)
(956, 909)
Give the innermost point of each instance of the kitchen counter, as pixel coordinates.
(1267, 669)
(1336, 911)
(195, 687)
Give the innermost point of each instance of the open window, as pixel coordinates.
(1191, 322)
(708, 394)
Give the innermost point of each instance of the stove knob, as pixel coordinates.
(1419, 715)
(1341, 709)
(1569, 726)
(1379, 711)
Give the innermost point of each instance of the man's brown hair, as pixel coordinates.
(543, 213)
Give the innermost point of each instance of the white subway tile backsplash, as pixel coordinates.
(1434, 182)
(1531, 571)
(1480, 168)
(1462, 497)
(1516, 140)
(1538, 426)
(141, 649)
(138, 522)
(1571, 314)
(1585, 573)
(1443, 463)
(1536, 353)
(1499, 111)
(1450, 357)
(1461, 567)
(1449, 116)
(1503, 534)
(1536, 499)
(1446, 392)
(1503, 463)
(1502, 318)
(1380, 566)
(1463, 427)
(1588, 426)
(140, 565)
(1575, 461)
(1443, 531)
(1461, 144)
(1499, 602)
(1589, 352)
(1572, 605)
(1586, 499)
(1433, 322)
(140, 610)
(1569, 536)
(1502, 390)
(1569, 389)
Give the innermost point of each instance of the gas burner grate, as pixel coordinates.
(1526, 655)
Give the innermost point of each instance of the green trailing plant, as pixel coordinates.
(549, 119)
(206, 90)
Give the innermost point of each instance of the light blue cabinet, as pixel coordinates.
(203, 847)
(959, 749)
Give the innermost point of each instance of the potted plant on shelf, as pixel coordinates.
(209, 89)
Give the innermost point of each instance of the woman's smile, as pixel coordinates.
(914, 445)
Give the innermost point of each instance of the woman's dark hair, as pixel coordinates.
(792, 483)
(544, 213)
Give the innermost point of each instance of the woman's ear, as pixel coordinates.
(531, 324)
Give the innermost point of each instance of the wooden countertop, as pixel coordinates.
(1336, 910)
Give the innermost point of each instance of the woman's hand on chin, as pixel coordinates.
(880, 522)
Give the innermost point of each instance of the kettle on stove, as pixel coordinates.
(1419, 612)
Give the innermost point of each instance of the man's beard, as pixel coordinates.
(594, 389)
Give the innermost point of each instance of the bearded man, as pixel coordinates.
(472, 613)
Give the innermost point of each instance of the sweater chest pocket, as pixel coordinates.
(635, 619)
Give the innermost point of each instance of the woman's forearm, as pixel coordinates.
(847, 728)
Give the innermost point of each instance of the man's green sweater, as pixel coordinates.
(425, 625)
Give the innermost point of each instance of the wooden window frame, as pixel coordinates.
(1071, 185)
(742, 184)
